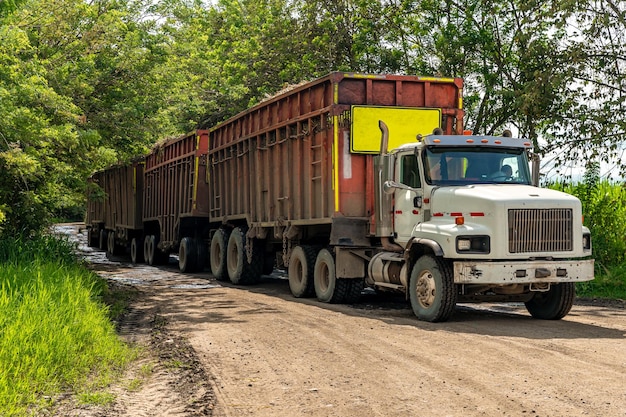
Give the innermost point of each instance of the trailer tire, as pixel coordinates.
(328, 288)
(240, 271)
(553, 304)
(148, 252)
(112, 248)
(153, 255)
(136, 250)
(301, 267)
(217, 254)
(102, 242)
(187, 255)
(431, 289)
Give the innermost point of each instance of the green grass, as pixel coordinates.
(609, 283)
(56, 335)
(604, 210)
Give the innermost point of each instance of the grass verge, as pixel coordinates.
(609, 283)
(56, 331)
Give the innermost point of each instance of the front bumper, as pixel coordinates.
(525, 272)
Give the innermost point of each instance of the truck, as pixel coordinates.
(361, 180)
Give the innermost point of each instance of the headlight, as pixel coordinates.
(473, 244)
(586, 241)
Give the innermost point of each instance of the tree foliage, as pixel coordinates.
(87, 84)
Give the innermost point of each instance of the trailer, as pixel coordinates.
(294, 175)
(175, 201)
(114, 209)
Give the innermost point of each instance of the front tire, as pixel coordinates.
(431, 289)
(553, 304)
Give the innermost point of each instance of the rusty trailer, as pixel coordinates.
(176, 197)
(297, 170)
(114, 208)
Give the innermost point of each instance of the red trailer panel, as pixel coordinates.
(176, 190)
(304, 157)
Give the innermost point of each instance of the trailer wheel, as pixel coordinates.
(102, 242)
(148, 252)
(553, 304)
(112, 248)
(187, 255)
(217, 254)
(328, 288)
(431, 289)
(152, 253)
(301, 264)
(239, 270)
(136, 250)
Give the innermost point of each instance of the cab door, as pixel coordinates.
(407, 203)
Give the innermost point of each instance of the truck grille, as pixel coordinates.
(540, 230)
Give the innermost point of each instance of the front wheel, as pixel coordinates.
(431, 289)
(553, 304)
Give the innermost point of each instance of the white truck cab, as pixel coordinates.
(462, 221)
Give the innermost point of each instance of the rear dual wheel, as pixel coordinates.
(152, 254)
(112, 247)
(240, 271)
(191, 254)
(301, 265)
(217, 254)
(136, 250)
(329, 288)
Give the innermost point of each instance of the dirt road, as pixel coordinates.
(257, 351)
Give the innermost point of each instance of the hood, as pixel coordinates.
(486, 197)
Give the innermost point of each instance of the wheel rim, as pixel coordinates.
(182, 253)
(216, 252)
(324, 276)
(298, 271)
(426, 289)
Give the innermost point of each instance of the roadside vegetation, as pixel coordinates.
(604, 210)
(57, 335)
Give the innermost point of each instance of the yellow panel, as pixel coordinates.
(404, 125)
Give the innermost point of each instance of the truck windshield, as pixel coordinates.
(476, 165)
